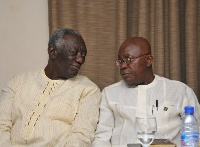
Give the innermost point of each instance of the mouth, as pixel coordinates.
(125, 75)
(76, 66)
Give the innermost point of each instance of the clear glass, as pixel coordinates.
(145, 129)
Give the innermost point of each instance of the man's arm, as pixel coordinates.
(82, 130)
(105, 126)
(6, 99)
(193, 101)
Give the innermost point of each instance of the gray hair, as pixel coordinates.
(56, 39)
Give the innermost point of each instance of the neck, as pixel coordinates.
(50, 72)
(150, 77)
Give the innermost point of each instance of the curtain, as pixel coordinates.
(171, 26)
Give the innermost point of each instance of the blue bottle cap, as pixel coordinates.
(189, 110)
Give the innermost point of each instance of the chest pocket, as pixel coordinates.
(167, 117)
(170, 110)
(61, 110)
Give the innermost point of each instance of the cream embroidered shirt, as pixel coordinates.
(36, 111)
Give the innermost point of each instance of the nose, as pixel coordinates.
(80, 59)
(123, 65)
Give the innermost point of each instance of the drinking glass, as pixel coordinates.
(145, 129)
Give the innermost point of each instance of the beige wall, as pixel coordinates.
(23, 37)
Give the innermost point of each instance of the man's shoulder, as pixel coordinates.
(171, 82)
(22, 78)
(28, 74)
(115, 86)
(85, 80)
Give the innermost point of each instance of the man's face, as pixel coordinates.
(134, 72)
(70, 57)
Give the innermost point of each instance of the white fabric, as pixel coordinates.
(121, 104)
(36, 111)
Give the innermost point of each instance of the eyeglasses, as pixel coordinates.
(127, 60)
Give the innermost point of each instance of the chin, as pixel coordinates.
(73, 75)
(130, 83)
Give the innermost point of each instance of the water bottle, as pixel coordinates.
(189, 129)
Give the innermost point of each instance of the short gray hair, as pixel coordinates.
(56, 39)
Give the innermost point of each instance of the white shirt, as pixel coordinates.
(121, 104)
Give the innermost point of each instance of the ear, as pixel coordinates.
(52, 52)
(149, 60)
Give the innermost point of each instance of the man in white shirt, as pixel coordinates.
(144, 94)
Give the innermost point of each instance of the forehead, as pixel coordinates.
(129, 50)
(74, 41)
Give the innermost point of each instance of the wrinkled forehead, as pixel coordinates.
(129, 50)
(74, 41)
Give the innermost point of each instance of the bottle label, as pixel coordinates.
(189, 138)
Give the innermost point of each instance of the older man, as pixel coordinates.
(144, 94)
(55, 106)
